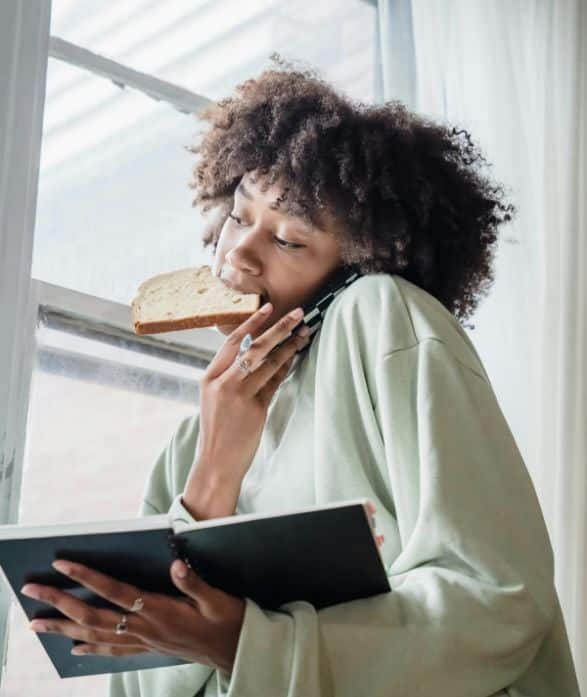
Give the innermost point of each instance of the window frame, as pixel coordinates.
(25, 48)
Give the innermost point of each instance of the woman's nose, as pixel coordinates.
(242, 259)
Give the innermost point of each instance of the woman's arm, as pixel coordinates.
(208, 494)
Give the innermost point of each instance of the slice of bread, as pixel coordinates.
(186, 299)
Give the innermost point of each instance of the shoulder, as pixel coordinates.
(372, 304)
(387, 313)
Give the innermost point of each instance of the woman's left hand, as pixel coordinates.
(204, 626)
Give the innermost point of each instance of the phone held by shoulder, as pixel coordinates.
(315, 308)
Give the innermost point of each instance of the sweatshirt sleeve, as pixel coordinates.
(473, 590)
(166, 481)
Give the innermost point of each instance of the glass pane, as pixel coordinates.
(114, 206)
(208, 47)
(99, 416)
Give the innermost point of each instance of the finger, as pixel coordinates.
(261, 346)
(122, 594)
(229, 349)
(80, 612)
(85, 634)
(265, 394)
(193, 585)
(274, 367)
(107, 650)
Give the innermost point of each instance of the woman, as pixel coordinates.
(389, 401)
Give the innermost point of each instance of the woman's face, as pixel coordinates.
(252, 253)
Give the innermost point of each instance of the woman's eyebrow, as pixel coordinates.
(241, 189)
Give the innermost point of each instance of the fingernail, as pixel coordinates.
(61, 566)
(304, 331)
(38, 626)
(78, 650)
(29, 591)
(266, 308)
(180, 569)
(297, 313)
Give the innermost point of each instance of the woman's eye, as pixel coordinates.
(284, 244)
(238, 220)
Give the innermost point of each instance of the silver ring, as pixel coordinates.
(122, 626)
(138, 605)
(243, 363)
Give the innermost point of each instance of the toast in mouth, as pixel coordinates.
(187, 299)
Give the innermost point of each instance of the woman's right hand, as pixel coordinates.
(234, 405)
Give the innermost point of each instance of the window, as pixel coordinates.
(114, 208)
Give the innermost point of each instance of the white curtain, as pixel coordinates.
(514, 74)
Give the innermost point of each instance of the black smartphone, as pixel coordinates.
(315, 307)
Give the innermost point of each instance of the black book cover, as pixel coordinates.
(324, 555)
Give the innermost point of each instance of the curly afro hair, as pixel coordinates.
(405, 192)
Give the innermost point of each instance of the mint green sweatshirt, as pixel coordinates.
(391, 402)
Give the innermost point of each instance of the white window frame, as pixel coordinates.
(25, 47)
(181, 99)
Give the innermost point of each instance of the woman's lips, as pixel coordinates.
(235, 286)
(264, 297)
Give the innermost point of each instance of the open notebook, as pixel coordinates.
(323, 554)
